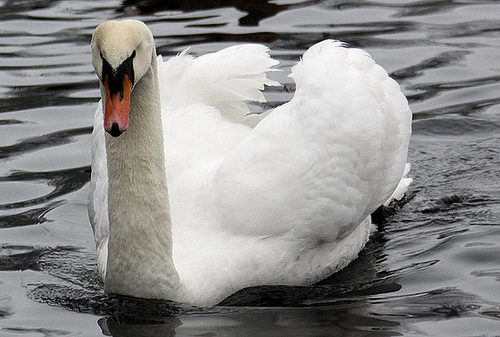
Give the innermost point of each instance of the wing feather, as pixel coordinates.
(318, 165)
(223, 80)
(98, 196)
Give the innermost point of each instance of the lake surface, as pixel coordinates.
(431, 269)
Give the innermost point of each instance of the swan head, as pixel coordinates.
(121, 55)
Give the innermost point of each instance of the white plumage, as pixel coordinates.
(287, 202)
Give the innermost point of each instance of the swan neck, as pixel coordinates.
(140, 260)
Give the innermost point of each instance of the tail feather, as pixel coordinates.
(402, 187)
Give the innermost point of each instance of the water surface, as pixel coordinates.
(431, 269)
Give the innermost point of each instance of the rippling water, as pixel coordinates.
(432, 268)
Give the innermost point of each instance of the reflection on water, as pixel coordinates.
(255, 10)
(165, 328)
(431, 268)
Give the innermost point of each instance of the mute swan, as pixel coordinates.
(286, 202)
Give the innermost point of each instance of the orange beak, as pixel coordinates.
(117, 108)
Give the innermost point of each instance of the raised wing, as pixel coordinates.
(204, 103)
(318, 165)
(223, 80)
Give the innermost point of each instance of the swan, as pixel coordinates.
(283, 199)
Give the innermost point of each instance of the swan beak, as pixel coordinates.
(116, 115)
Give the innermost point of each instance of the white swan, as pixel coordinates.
(287, 202)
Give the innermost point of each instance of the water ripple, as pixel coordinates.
(30, 217)
(40, 142)
(63, 181)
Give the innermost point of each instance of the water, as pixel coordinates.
(431, 269)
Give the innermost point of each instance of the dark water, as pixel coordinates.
(432, 269)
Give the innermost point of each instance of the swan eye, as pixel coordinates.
(102, 57)
(133, 54)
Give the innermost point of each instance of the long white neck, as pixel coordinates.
(140, 230)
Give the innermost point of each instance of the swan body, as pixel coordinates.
(191, 200)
